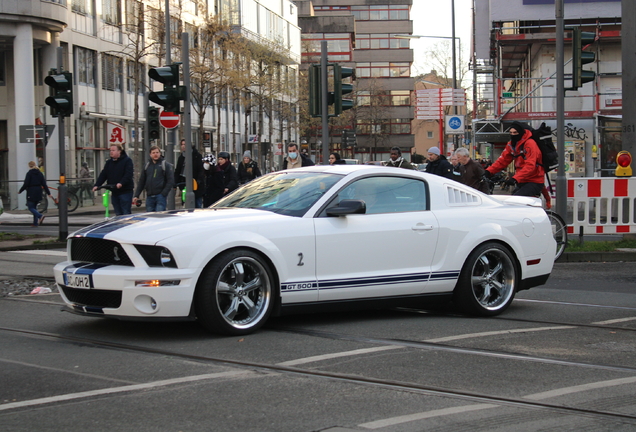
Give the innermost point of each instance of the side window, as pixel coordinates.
(388, 194)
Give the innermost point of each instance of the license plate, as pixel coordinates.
(78, 280)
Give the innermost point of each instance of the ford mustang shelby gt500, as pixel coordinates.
(345, 235)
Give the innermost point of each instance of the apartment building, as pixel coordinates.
(98, 39)
(364, 34)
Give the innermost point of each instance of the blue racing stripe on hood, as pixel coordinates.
(101, 229)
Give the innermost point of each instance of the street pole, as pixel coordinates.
(454, 54)
(628, 57)
(561, 197)
(324, 101)
(185, 59)
(62, 191)
(171, 134)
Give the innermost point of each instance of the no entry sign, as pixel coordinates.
(168, 119)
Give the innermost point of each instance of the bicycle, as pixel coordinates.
(72, 201)
(559, 228)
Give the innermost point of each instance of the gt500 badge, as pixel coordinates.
(299, 286)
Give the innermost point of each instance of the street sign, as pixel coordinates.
(28, 132)
(169, 120)
(454, 124)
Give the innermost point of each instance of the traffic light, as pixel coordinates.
(623, 164)
(61, 98)
(173, 93)
(315, 103)
(581, 39)
(153, 123)
(340, 89)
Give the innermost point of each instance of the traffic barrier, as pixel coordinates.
(601, 205)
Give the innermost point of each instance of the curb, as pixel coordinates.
(33, 246)
(597, 257)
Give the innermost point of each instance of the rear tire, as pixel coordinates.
(488, 281)
(559, 231)
(235, 293)
(73, 202)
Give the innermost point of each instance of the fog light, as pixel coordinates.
(146, 304)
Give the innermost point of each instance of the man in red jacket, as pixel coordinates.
(523, 150)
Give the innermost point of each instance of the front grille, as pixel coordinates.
(93, 297)
(100, 251)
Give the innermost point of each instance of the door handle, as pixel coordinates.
(422, 227)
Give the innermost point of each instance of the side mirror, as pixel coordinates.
(347, 207)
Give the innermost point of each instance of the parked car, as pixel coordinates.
(352, 161)
(308, 238)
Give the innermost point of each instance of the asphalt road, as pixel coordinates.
(562, 357)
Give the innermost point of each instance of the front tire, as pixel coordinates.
(235, 293)
(488, 281)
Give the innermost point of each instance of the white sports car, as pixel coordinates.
(343, 235)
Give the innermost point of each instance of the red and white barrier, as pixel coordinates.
(601, 205)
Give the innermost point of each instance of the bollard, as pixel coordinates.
(106, 202)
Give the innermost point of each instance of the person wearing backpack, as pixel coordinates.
(157, 178)
(527, 157)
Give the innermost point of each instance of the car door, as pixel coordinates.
(387, 251)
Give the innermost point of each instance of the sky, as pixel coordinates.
(434, 18)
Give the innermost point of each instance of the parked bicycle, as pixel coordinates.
(559, 228)
(71, 199)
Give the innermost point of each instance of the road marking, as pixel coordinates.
(42, 252)
(614, 321)
(123, 389)
(476, 407)
(66, 371)
(424, 415)
(337, 355)
(580, 388)
(495, 333)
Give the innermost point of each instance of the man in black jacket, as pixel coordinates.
(157, 179)
(438, 164)
(118, 171)
(295, 159)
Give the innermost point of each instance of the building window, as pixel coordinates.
(383, 69)
(130, 74)
(384, 98)
(111, 11)
(380, 41)
(157, 31)
(84, 7)
(429, 134)
(135, 16)
(385, 126)
(85, 60)
(380, 12)
(111, 72)
(3, 70)
(338, 46)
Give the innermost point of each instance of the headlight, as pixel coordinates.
(157, 256)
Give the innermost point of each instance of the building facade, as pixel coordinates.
(106, 44)
(364, 34)
(514, 67)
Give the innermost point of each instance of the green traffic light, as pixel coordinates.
(172, 92)
(580, 40)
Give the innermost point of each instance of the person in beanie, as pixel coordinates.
(396, 159)
(118, 171)
(248, 169)
(221, 180)
(528, 178)
(438, 164)
(34, 182)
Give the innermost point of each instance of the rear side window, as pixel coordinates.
(388, 194)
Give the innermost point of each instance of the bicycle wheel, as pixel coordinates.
(43, 205)
(559, 231)
(73, 202)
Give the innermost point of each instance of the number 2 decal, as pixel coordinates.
(300, 260)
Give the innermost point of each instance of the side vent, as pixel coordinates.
(459, 197)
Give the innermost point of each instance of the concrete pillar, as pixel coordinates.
(24, 105)
(49, 60)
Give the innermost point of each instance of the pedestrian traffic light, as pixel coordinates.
(61, 98)
(580, 40)
(153, 123)
(315, 102)
(623, 164)
(341, 89)
(173, 93)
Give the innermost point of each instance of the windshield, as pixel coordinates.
(288, 193)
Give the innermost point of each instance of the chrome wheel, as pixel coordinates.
(488, 281)
(559, 231)
(234, 295)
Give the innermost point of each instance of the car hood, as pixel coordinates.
(150, 228)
